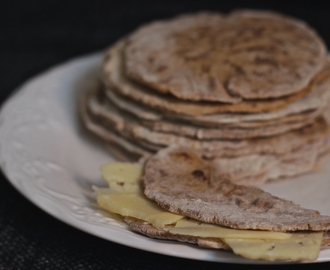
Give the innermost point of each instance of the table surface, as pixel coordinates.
(36, 35)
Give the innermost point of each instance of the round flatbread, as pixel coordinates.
(182, 182)
(130, 98)
(120, 147)
(110, 117)
(189, 127)
(214, 57)
(114, 77)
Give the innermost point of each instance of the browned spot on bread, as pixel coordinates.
(266, 61)
(238, 69)
(262, 204)
(163, 173)
(238, 201)
(206, 68)
(151, 59)
(199, 174)
(212, 83)
(162, 68)
(184, 156)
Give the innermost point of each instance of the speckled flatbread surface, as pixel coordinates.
(182, 182)
(146, 104)
(227, 58)
(114, 76)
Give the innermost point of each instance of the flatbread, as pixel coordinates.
(161, 122)
(292, 154)
(227, 58)
(174, 129)
(121, 148)
(182, 182)
(147, 229)
(257, 169)
(315, 101)
(114, 78)
(128, 126)
(264, 160)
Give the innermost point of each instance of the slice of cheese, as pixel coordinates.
(117, 187)
(122, 172)
(301, 246)
(196, 228)
(125, 195)
(122, 177)
(137, 206)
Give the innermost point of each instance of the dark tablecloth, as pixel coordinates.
(35, 35)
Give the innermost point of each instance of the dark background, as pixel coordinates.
(35, 35)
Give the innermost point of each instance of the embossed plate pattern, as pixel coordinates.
(50, 159)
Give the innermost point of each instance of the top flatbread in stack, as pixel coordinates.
(246, 55)
(250, 87)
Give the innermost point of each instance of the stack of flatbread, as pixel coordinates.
(247, 90)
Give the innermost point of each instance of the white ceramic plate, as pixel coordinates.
(49, 158)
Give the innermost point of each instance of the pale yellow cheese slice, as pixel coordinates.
(137, 206)
(122, 177)
(301, 246)
(125, 195)
(196, 228)
(122, 172)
